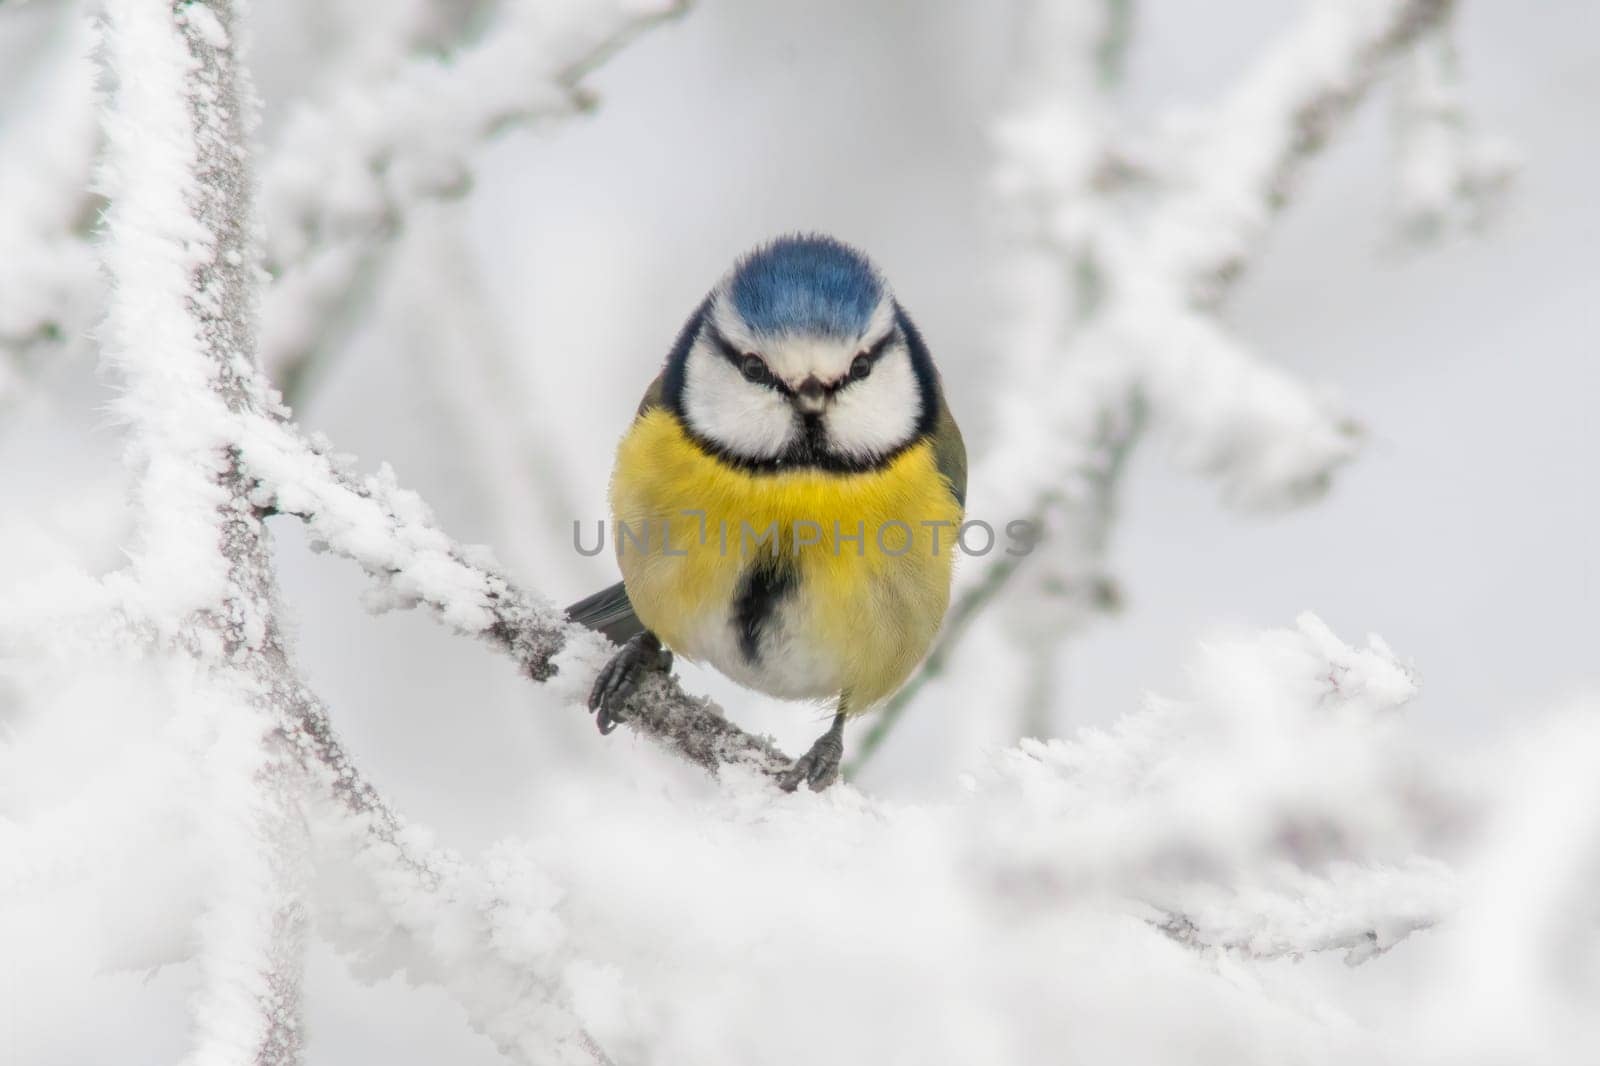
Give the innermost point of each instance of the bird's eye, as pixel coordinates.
(860, 366)
(752, 367)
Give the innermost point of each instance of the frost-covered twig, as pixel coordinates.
(1357, 908)
(390, 532)
(1058, 162)
(1243, 842)
(1201, 815)
(269, 467)
(181, 332)
(1239, 168)
(347, 170)
(338, 181)
(1447, 173)
(395, 902)
(1117, 257)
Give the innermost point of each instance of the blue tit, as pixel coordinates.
(786, 502)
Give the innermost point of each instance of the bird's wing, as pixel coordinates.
(608, 611)
(654, 396)
(950, 452)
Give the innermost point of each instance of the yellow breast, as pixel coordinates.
(871, 552)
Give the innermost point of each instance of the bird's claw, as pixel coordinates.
(621, 676)
(818, 767)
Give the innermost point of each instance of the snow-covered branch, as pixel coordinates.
(1240, 843)
(343, 175)
(1067, 867)
(338, 180)
(1224, 180)
(214, 458)
(1199, 819)
(347, 170)
(181, 335)
(1119, 249)
(258, 464)
(390, 532)
(1447, 173)
(394, 902)
(1238, 166)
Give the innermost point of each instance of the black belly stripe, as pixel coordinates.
(762, 589)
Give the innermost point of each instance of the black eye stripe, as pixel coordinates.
(726, 350)
(873, 354)
(736, 359)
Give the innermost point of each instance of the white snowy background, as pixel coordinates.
(1181, 878)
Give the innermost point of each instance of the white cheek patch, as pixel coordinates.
(865, 419)
(874, 416)
(749, 420)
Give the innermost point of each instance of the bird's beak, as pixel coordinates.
(810, 398)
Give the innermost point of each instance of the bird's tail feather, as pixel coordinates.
(608, 611)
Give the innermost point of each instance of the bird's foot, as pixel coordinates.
(818, 767)
(619, 677)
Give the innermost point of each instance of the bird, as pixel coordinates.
(786, 500)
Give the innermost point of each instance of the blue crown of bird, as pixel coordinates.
(798, 396)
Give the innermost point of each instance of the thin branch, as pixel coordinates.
(1446, 172)
(1053, 200)
(404, 138)
(1138, 341)
(390, 533)
(1358, 909)
(1243, 172)
(337, 186)
(182, 332)
(1111, 52)
(429, 896)
(183, 338)
(1101, 593)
